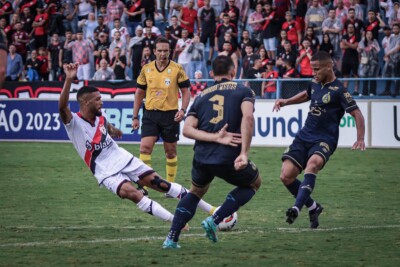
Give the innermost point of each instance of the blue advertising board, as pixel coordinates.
(40, 120)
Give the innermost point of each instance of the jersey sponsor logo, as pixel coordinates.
(98, 146)
(326, 98)
(167, 81)
(316, 111)
(348, 97)
(88, 145)
(169, 71)
(334, 88)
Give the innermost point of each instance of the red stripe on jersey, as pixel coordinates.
(96, 140)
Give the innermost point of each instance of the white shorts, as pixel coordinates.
(132, 172)
(270, 44)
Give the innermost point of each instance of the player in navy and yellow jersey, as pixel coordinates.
(221, 121)
(159, 82)
(318, 139)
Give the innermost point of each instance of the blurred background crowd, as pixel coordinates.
(267, 39)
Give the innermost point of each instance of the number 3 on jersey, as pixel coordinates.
(218, 106)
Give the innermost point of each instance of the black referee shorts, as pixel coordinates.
(161, 124)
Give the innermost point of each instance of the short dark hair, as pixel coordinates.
(85, 90)
(161, 40)
(322, 56)
(222, 65)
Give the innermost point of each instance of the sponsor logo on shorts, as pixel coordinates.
(325, 147)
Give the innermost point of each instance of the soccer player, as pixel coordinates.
(160, 81)
(317, 140)
(114, 167)
(221, 121)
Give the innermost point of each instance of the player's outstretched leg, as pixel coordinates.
(178, 191)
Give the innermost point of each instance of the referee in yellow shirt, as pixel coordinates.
(159, 82)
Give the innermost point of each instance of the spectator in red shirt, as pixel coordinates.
(39, 25)
(197, 86)
(269, 87)
(6, 8)
(188, 17)
(293, 29)
(20, 39)
(44, 70)
(304, 59)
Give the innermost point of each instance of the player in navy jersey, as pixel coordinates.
(221, 121)
(318, 139)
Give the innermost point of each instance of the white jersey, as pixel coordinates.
(95, 146)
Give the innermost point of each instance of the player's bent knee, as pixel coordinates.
(286, 179)
(157, 183)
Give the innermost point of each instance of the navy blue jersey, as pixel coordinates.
(214, 107)
(327, 107)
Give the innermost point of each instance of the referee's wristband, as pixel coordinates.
(135, 118)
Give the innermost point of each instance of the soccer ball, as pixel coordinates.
(228, 223)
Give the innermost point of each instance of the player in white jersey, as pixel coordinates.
(114, 167)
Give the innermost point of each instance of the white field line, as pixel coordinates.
(150, 238)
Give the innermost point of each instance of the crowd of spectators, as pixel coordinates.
(113, 39)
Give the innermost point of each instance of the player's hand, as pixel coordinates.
(179, 116)
(278, 104)
(228, 138)
(116, 133)
(71, 70)
(359, 144)
(135, 124)
(241, 162)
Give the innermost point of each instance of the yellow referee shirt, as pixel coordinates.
(162, 87)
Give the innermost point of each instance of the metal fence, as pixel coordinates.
(286, 88)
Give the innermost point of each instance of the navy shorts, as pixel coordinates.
(161, 124)
(203, 174)
(300, 151)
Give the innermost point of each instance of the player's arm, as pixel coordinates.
(139, 96)
(246, 128)
(65, 113)
(191, 131)
(297, 99)
(114, 132)
(360, 124)
(185, 103)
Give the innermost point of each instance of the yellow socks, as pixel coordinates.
(172, 168)
(146, 159)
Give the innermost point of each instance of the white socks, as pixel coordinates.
(153, 208)
(176, 190)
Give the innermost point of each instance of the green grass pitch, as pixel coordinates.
(52, 213)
